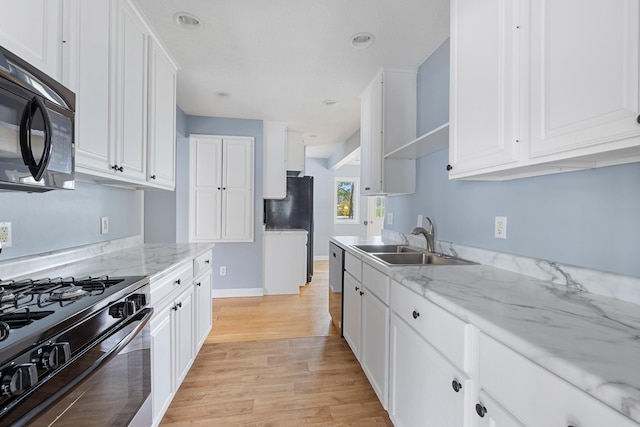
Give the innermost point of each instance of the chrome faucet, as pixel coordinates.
(428, 234)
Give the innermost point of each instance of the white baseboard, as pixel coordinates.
(233, 293)
(321, 258)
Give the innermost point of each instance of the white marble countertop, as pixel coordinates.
(591, 341)
(152, 259)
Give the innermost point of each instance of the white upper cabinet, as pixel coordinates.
(125, 95)
(536, 91)
(295, 151)
(87, 72)
(584, 78)
(274, 168)
(387, 122)
(32, 29)
(162, 118)
(485, 85)
(131, 53)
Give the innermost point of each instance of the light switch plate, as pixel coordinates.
(389, 218)
(500, 230)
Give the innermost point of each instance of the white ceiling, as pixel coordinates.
(280, 59)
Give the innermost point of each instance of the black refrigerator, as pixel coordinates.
(295, 211)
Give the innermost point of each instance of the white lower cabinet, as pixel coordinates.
(161, 362)
(422, 382)
(351, 319)
(181, 322)
(533, 396)
(202, 294)
(375, 344)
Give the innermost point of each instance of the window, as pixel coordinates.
(346, 198)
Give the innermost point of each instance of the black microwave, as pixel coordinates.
(37, 116)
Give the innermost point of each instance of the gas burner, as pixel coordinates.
(67, 293)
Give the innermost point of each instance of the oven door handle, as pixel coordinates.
(142, 318)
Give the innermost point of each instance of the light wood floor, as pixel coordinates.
(276, 361)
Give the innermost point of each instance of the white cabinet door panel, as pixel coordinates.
(375, 344)
(32, 29)
(162, 348)
(584, 82)
(485, 97)
(351, 319)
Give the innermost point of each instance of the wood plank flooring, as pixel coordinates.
(276, 361)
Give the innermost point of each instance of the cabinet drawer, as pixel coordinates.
(441, 329)
(202, 263)
(535, 395)
(353, 265)
(376, 282)
(178, 280)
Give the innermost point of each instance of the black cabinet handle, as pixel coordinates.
(199, 284)
(367, 188)
(361, 293)
(174, 308)
(456, 385)
(180, 304)
(357, 288)
(152, 177)
(219, 188)
(117, 168)
(480, 410)
(178, 281)
(638, 119)
(206, 261)
(449, 167)
(415, 314)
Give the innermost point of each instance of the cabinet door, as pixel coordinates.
(485, 97)
(584, 82)
(420, 386)
(162, 118)
(32, 29)
(352, 311)
(131, 96)
(183, 312)
(274, 168)
(162, 348)
(375, 343)
(87, 72)
(203, 308)
(237, 190)
(205, 189)
(371, 138)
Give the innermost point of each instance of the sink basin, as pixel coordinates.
(387, 249)
(419, 258)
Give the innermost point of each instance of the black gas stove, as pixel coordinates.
(52, 325)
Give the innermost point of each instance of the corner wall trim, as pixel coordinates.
(233, 293)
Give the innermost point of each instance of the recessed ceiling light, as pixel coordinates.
(223, 94)
(362, 40)
(187, 20)
(329, 102)
(313, 135)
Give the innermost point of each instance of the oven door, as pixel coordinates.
(113, 389)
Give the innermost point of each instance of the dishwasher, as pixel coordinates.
(336, 275)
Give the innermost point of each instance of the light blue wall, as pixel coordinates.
(588, 218)
(243, 260)
(61, 219)
(324, 227)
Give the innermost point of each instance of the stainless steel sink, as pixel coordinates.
(386, 249)
(419, 258)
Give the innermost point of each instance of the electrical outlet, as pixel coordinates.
(419, 224)
(223, 270)
(104, 225)
(500, 231)
(389, 218)
(5, 234)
